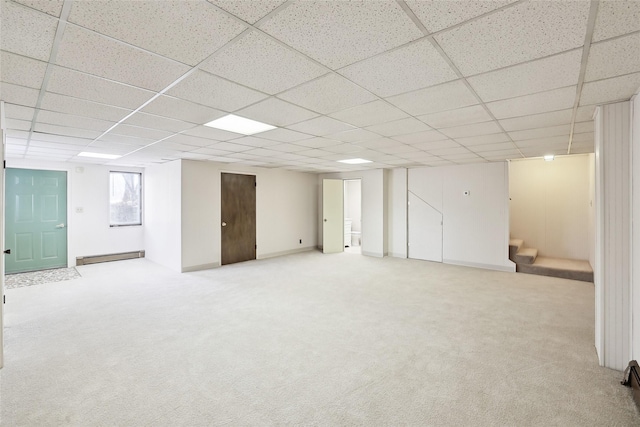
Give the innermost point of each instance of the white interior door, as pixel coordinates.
(332, 216)
(1, 240)
(425, 230)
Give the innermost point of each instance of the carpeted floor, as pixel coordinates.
(19, 280)
(307, 339)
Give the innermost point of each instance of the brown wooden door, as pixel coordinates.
(238, 218)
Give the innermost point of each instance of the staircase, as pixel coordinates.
(528, 261)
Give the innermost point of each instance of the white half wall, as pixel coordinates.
(475, 225)
(89, 232)
(373, 209)
(550, 205)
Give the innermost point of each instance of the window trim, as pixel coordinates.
(137, 224)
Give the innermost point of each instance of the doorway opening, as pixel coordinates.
(353, 216)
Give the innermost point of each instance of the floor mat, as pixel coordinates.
(20, 280)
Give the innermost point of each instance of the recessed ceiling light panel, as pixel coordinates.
(99, 155)
(549, 157)
(354, 161)
(237, 124)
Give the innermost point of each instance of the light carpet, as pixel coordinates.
(307, 339)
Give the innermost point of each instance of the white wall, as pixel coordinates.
(475, 227)
(592, 210)
(163, 216)
(286, 212)
(373, 209)
(550, 205)
(397, 212)
(89, 232)
(635, 237)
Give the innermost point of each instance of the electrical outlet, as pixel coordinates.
(300, 241)
(79, 210)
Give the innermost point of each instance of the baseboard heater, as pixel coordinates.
(94, 259)
(632, 379)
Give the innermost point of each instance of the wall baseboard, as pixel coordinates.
(373, 254)
(289, 252)
(207, 266)
(398, 255)
(94, 259)
(509, 269)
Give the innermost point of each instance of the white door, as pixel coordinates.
(425, 230)
(1, 239)
(332, 216)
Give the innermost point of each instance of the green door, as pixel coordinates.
(35, 220)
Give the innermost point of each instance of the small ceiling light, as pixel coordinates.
(239, 124)
(549, 157)
(354, 161)
(99, 155)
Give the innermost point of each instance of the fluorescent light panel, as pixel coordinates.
(99, 155)
(354, 161)
(237, 124)
(549, 157)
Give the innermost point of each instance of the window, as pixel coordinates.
(125, 201)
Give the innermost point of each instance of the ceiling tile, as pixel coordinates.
(288, 148)
(451, 151)
(491, 147)
(436, 145)
(343, 148)
(259, 62)
(62, 139)
(211, 133)
(187, 31)
(17, 31)
(13, 111)
(156, 122)
(61, 119)
(179, 109)
(523, 79)
(184, 139)
(458, 117)
(204, 88)
(376, 144)
(350, 31)
(399, 127)
(68, 131)
(614, 58)
(585, 113)
(21, 70)
(586, 137)
(80, 85)
(321, 126)
(20, 95)
(50, 7)
(81, 107)
(17, 124)
(584, 127)
(124, 142)
(537, 120)
(484, 139)
(419, 137)
(140, 132)
(276, 112)
(447, 96)
(249, 11)
(475, 129)
(318, 143)
(411, 67)
(614, 89)
(526, 31)
(328, 94)
(540, 132)
(354, 135)
(615, 18)
(284, 135)
(557, 99)
(229, 146)
(255, 142)
(562, 140)
(370, 113)
(502, 155)
(117, 61)
(437, 15)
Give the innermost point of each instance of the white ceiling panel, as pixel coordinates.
(526, 31)
(19, 112)
(126, 142)
(168, 106)
(79, 85)
(354, 135)
(451, 151)
(370, 113)
(484, 139)
(419, 137)
(18, 31)
(140, 132)
(82, 107)
(328, 94)
(557, 99)
(524, 79)
(378, 143)
(229, 146)
(193, 141)
(585, 113)
(436, 145)
(284, 135)
(343, 148)
(408, 68)
(548, 141)
(399, 127)
(69, 120)
(583, 127)
(438, 15)
(475, 129)
(583, 137)
(323, 143)
(45, 137)
(537, 120)
(614, 89)
(614, 58)
(288, 148)
(491, 147)
(540, 132)
(76, 52)
(50, 7)
(321, 126)
(204, 88)
(21, 70)
(350, 31)
(211, 133)
(398, 149)
(68, 131)
(259, 62)
(20, 95)
(447, 96)
(458, 117)
(616, 17)
(156, 122)
(249, 11)
(276, 112)
(255, 142)
(502, 155)
(187, 31)
(18, 124)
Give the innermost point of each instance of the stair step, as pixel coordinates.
(559, 267)
(514, 247)
(526, 256)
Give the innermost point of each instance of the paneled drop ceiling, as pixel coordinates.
(401, 83)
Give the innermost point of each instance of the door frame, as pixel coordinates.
(219, 212)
